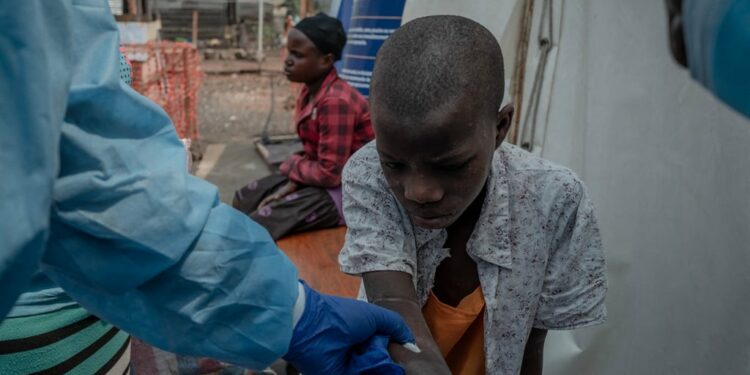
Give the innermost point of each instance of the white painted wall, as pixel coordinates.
(669, 169)
(502, 18)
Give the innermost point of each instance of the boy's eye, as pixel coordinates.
(393, 165)
(455, 167)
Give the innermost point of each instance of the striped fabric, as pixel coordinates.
(67, 341)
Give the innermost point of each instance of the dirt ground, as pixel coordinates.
(234, 106)
(235, 101)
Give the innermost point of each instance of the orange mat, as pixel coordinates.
(316, 256)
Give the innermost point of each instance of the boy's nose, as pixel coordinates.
(422, 191)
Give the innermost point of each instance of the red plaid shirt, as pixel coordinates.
(332, 125)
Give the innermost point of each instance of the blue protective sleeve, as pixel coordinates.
(133, 237)
(34, 81)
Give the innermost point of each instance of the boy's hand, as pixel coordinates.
(286, 189)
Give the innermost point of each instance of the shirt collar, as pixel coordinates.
(304, 107)
(490, 240)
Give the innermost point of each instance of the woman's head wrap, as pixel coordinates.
(327, 33)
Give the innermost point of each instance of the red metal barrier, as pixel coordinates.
(169, 73)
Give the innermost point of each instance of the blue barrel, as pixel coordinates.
(369, 25)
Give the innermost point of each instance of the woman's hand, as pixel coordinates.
(286, 189)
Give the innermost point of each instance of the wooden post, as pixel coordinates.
(304, 8)
(195, 28)
(261, 16)
(520, 72)
(132, 8)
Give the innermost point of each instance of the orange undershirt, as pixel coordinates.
(458, 331)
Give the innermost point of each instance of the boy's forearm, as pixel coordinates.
(394, 290)
(411, 314)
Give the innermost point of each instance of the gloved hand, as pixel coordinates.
(331, 326)
(372, 358)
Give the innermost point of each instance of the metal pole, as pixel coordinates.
(195, 28)
(260, 31)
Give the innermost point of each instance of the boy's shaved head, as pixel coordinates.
(431, 61)
(434, 99)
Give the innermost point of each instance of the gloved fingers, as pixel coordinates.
(372, 358)
(323, 338)
(390, 324)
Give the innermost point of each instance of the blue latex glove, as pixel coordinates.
(330, 327)
(372, 358)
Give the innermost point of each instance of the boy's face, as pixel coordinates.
(437, 166)
(305, 63)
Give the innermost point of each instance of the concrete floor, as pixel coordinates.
(236, 106)
(230, 165)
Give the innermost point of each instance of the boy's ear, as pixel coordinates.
(504, 119)
(676, 35)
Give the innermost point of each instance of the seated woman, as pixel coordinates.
(332, 120)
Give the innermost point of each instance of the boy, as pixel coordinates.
(480, 246)
(332, 120)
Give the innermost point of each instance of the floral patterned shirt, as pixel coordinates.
(536, 244)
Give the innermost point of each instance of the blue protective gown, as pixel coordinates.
(96, 195)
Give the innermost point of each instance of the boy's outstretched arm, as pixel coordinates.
(394, 290)
(533, 354)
